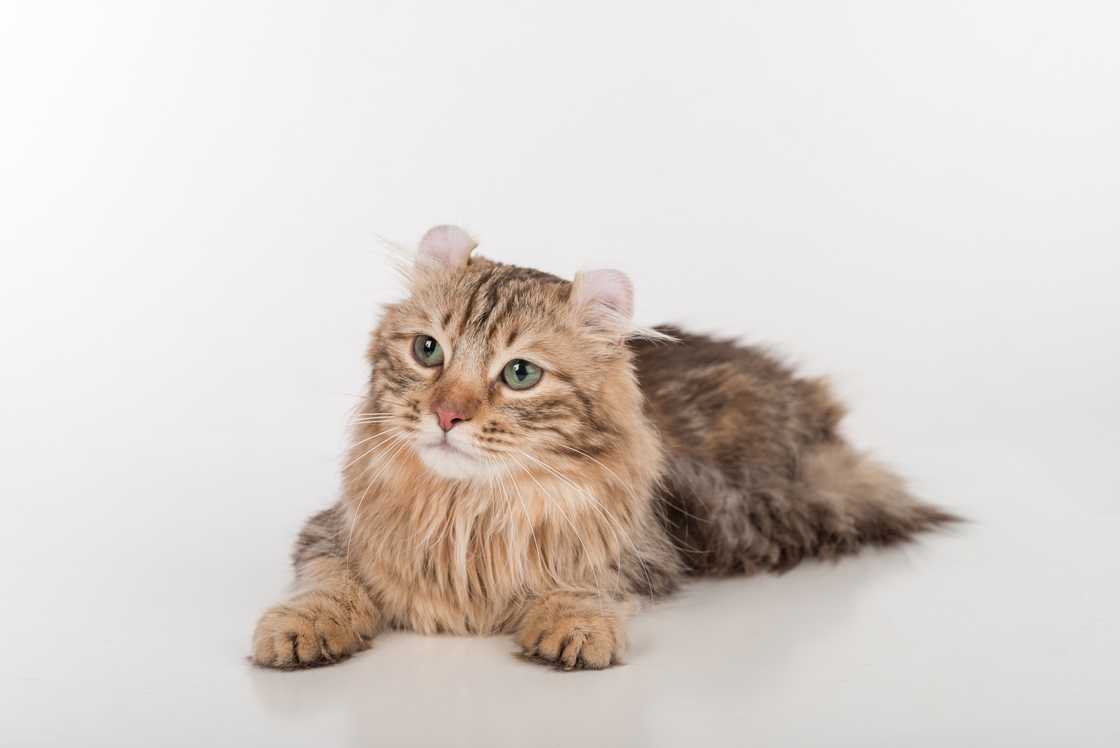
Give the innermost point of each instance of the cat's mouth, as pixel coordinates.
(448, 460)
(447, 447)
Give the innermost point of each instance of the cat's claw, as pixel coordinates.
(572, 638)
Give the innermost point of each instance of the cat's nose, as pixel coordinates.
(448, 416)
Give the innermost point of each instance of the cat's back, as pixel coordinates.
(724, 402)
(738, 428)
(757, 477)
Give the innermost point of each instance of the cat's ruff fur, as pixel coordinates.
(549, 512)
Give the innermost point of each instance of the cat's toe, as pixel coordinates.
(589, 651)
(293, 636)
(574, 641)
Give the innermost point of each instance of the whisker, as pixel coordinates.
(494, 478)
(371, 449)
(612, 522)
(563, 513)
(399, 441)
(546, 569)
(634, 495)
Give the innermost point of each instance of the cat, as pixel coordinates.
(527, 461)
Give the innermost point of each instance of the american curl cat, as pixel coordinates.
(527, 461)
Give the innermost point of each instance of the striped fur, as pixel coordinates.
(629, 466)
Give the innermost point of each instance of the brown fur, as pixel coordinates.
(758, 477)
(591, 490)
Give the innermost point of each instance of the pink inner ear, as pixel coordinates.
(449, 246)
(607, 288)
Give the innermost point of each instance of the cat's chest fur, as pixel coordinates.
(464, 558)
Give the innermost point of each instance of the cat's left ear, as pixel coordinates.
(447, 247)
(608, 290)
(606, 297)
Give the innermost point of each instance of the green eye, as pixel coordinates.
(427, 350)
(519, 374)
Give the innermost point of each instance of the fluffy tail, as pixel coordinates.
(860, 502)
(839, 502)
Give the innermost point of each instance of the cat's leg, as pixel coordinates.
(330, 613)
(574, 630)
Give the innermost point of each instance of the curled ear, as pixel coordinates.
(604, 295)
(446, 247)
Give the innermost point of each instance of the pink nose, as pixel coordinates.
(448, 417)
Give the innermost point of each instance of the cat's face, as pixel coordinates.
(489, 367)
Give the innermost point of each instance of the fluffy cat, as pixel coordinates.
(526, 461)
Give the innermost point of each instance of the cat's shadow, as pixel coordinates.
(745, 628)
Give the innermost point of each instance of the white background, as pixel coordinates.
(918, 198)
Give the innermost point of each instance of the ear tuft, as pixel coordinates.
(446, 246)
(608, 291)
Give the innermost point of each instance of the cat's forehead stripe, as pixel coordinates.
(472, 298)
(492, 294)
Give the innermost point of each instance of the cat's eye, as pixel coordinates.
(520, 374)
(427, 350)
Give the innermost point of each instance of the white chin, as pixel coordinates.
(448, 462)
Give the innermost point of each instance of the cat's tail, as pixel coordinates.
(840, 502)
(852, 501)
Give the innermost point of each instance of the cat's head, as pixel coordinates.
(487, 366)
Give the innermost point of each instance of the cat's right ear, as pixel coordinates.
(445, 247)
(605, 301)
(604, 292)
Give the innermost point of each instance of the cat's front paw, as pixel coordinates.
(309, 631)
(573, 633)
